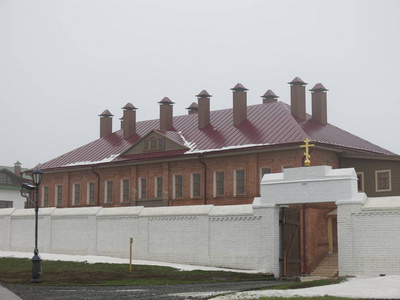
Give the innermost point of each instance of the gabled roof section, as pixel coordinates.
(176, 142)
(12, 180)
(268, 124)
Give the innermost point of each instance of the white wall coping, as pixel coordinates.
(232, 210)
(7, 211)
(382, 203)
(77, 211)
(190, 210)
(47, 211)
(120, 211)
(359, 198)
(307, 174)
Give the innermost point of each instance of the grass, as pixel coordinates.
(17, 270)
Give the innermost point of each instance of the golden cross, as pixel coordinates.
(307, 162)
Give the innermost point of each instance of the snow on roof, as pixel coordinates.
(268, 124)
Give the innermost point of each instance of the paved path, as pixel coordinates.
(6, 294)
(164, 292)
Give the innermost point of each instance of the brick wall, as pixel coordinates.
(251, 163)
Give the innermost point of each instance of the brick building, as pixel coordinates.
(210, 157)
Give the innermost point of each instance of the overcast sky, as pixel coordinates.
(62, 63)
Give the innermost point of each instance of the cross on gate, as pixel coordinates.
(307, 155)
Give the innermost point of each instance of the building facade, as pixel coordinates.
(10, 187)
(210, 157)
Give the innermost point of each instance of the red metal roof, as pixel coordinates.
(269, 124)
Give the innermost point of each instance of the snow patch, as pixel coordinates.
(191, 151)
(88, 162)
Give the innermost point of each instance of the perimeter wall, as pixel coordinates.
(241, 236)
(237, 236)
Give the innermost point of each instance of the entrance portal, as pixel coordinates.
(290, 237)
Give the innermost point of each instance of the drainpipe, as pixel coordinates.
(98, 185)
(205, 179)
(304, 238)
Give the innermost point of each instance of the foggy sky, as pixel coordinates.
(62, 63)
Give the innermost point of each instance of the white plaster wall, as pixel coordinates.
(223, 236)
(369, 242)
(14, 196)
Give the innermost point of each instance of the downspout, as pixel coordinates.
(304, 238)
(205, 179)
(98, 185)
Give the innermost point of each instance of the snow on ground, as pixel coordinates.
(385, 287)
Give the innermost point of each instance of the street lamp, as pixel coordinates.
(36, 260)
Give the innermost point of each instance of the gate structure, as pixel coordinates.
(290, 237)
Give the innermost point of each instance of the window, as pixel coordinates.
(287, 167)
(264, 171)
(153, 143)
(219, 183)
(178, 186)
(45, 196)
(360, 181)
(76, 194)
(142, 188)
(109, 191)
(4, 179)
(196, 185)
(239, 183)
(383, 181)
(59, 192)
(158, 186)
(91, 193)
(124, 190)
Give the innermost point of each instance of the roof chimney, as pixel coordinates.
(298, 98)
(239, 104)
(204, 109)
(193, 108)
(129, 120)
(166, 122)
(17, 168)
(105, 123)
(318, 103)
(269, 97)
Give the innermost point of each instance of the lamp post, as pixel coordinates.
(36, 260)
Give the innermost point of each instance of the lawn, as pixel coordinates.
(17, 270)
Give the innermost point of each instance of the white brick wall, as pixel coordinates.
(230, 236)
(240, 236)
(369, 237)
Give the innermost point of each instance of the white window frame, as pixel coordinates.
(140, 188)
(289, 166)
(261, 172)
(215, 187)
(376, 181)
(122, 190)
(235, 183)
(43, 195)
(56, 195)
(156, 187)
(192, 185)
(88, 193)
(73, 194)
(174, 186)
(362, 182)
(106, 192)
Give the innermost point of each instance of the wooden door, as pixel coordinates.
(290, 237)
